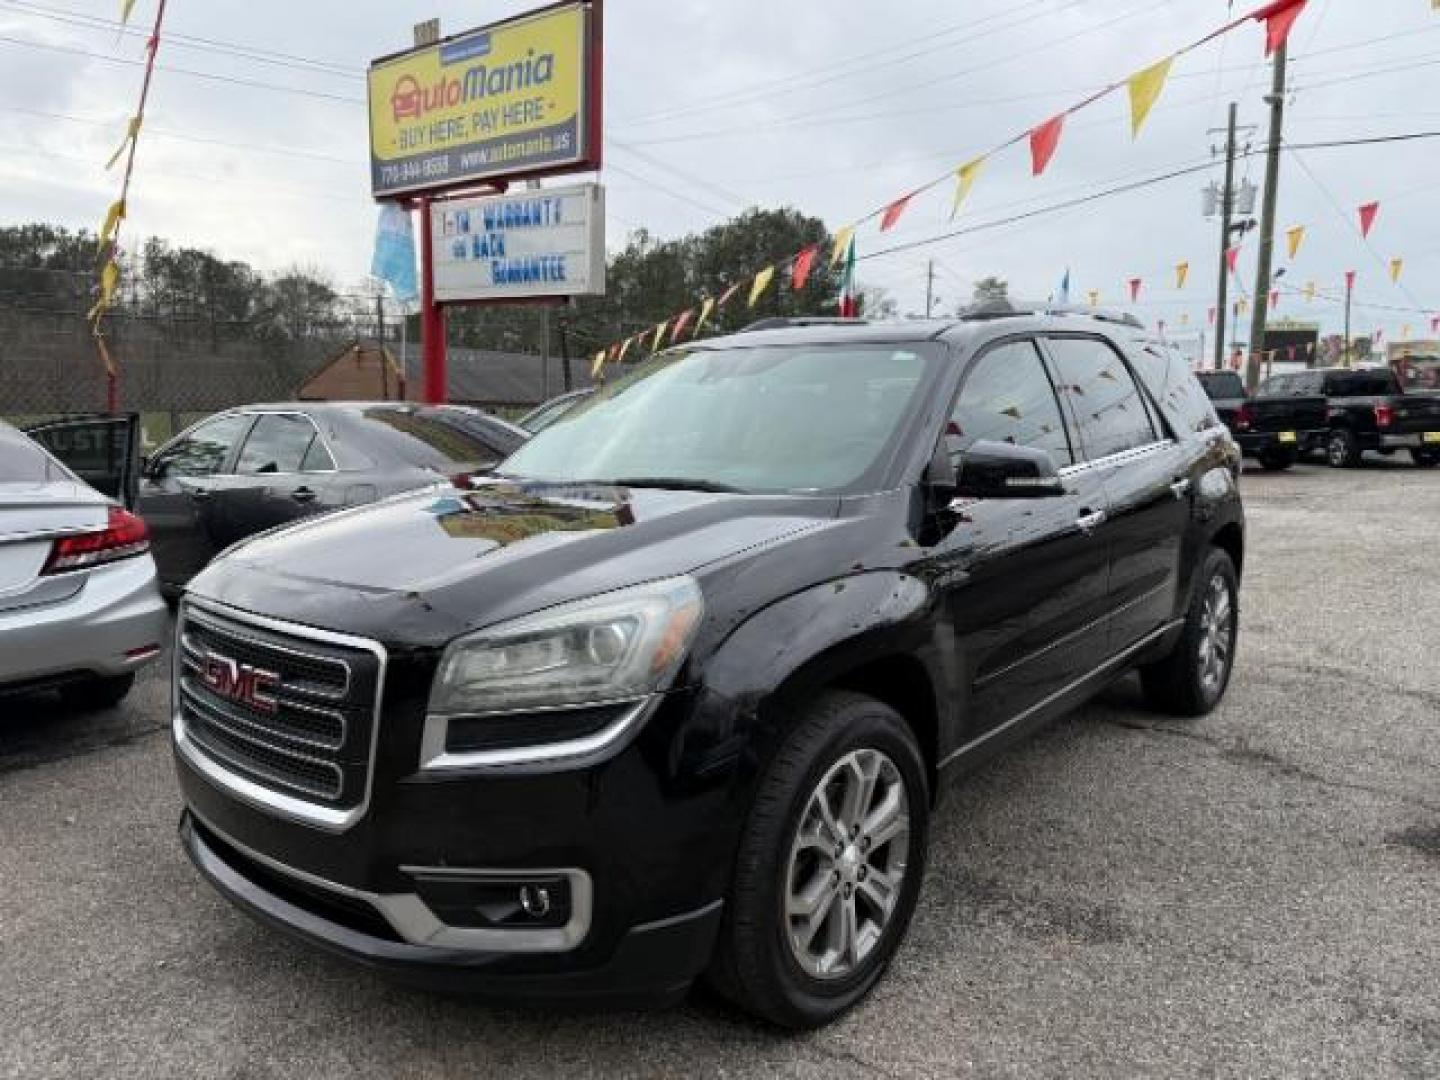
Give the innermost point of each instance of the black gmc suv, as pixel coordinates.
(673, 693)
(1367, 409)
(1273, 429)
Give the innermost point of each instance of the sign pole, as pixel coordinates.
(432, 315)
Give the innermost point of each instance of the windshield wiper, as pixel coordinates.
(677, 483)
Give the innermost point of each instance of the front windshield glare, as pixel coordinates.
(791, 418)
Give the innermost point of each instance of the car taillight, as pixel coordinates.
(1244, 418)
(1384, 415)
(123, 537)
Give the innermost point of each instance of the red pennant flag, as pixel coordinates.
(1278, 18)
(1274, 298)
(1349, 279)
(680, 324)
(801, 273)
(1367, 217)
(1134, 289)
(893, 212)
(1212, 316)
(1232, 256)
(1043, 140)
(728, 293)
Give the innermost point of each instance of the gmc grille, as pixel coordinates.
(287, 712)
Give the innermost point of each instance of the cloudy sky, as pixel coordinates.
(256, 138)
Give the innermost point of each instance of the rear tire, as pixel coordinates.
(813, 917)
(1192, 679)
(1425, 459)
(1342, 449)
(96, 692)
(1276, 460)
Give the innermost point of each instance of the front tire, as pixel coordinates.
(1275, 460)
(1342, 449)
(1192, 679)
(829, 866)
(96, 693)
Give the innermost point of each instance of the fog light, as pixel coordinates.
(495, 901)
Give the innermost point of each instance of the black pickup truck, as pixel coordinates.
(1367, 409)
(1273, 429)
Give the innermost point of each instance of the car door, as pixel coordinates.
(283, 473)
(1146, 475)
(177, 489)
(104, 451)
(1030, 573)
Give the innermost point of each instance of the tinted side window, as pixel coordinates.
(1175, 387)
(205, 450)
(1008, 397)
(1106, 401)
(277, 444)
(317, 458)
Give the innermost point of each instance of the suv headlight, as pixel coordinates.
(619, 645)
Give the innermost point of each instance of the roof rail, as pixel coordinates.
(783, 322)
(1005, 308)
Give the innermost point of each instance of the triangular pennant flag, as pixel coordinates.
(660, 335)
(707, 306)
(680, 324)
(1211, 317)
(762, 281)
(126, 6)
(598, 364)
(893, 212)
(1242, 306)
(1278, 18)
(964, 181)
(1349, 280)
(1232, 256)
(1145, 87)
(728, 293)
(1294, 238)
(1182, 271)
(1184, 318)
(1134, 289)
(800, 273)
(112, 221)
(842, 241)
(1367, 217)
(1094, 296)
(109, 281)
(625, 347)
(1274, 298)
(132, 129)
(1395, 266)
(1043, 140)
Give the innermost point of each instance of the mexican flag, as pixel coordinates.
(849, 302)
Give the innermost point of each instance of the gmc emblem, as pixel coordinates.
(245, 685)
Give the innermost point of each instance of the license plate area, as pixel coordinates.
(1287, 436)
(1431, 437)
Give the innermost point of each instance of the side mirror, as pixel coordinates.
(999, 470)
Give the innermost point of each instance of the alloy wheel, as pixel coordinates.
(847, 864)
(1217, 635)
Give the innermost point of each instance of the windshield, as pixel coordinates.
(766, 419)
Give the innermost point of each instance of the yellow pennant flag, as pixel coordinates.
(624, 348)
(1310, 290)
(109, 282)
(132, 129)
(707, 306)
(1395, 266)
(964, 181)
(842, 241)
(112, 221)
(1094, 295)
(660, 335)
(126, 6)
(1145, 87)
(1294, 238)
(1241, 306)
(1182, 271)
(599, 364)
(762, 280)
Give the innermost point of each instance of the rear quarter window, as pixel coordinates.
(1174, 387)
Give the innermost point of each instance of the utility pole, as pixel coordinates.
(1349, 289)
(929, 288)
(1227, 202)
(1276, 101)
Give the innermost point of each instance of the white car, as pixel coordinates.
(80, 611)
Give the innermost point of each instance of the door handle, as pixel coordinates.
(199, 494)
(1089, 522)
(1180, 488)
(303, 494)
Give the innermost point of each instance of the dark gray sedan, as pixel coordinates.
(257, 467)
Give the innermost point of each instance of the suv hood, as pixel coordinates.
(424, 567)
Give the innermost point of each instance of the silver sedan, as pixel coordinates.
(79, 608)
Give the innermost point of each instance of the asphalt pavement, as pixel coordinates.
(1252, 894)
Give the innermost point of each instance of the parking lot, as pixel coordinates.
(1252, 894)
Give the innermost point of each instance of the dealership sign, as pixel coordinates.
(530, 244)
(518, 98)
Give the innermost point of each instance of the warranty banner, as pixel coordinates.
(508, 100)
